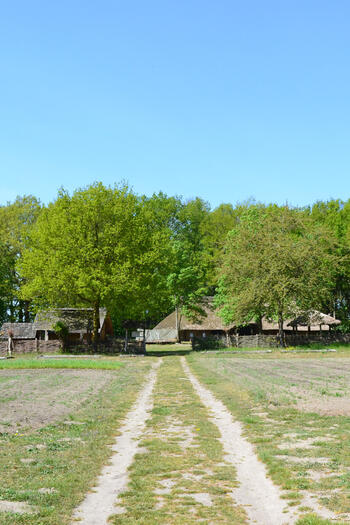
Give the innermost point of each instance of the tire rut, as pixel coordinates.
(256, 492)
(101, 502)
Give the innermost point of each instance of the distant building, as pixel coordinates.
(79, 322)
(211, 324)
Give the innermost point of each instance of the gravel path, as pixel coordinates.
(256, 492)
(101, 502)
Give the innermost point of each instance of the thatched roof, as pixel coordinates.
(209, 321)
(78, 320)
(19, 330)
(314, 318)
(212, 321)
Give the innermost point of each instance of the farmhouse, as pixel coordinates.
(79, 322)
(211, 324)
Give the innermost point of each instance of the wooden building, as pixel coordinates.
(211, 324)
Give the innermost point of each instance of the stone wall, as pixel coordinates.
(112, 346)
(30, 346)
(268, 341)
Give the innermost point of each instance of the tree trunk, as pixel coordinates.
(281, 331)
(96, 325)
(259, 323)
(26, 312)
(20, 312)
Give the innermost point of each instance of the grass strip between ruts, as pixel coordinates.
(180, 475)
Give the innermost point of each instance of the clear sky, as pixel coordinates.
(222, 99)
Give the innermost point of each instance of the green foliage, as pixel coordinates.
(277, 262)
(335, 214)
(16, 222)
(62, 331)
(100, 246)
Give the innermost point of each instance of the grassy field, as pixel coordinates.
(55, 434)
(297, 413)
(61, 362)
(59, 416)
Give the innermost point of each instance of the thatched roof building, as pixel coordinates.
(79, 322)
(210, 321)
(19, 331)
(211, 324)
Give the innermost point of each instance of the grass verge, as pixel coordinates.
(35, 362)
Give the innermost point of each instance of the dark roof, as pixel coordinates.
(78, 320)
(19, 330)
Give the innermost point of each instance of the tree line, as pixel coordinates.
(142, 257)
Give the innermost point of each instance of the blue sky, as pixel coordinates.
(224, 100)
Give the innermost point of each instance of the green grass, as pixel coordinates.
(265, 405)
(24, 362)
(188, 458)
(66, 458)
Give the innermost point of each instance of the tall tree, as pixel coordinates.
(276, 264)
(94, 248)
(335, 215)
(187, 276)
(16, 222)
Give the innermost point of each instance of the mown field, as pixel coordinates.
(296, 410)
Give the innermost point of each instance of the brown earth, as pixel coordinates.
(30, 399)
(313, 385)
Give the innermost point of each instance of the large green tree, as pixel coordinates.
(335, 215)
(277, 263)
(97, 247)
(187, 279)
(16, 222)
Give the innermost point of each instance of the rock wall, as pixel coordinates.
(268, 341)
(30, 346)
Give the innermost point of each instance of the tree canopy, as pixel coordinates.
(143, 256)
(277, 263)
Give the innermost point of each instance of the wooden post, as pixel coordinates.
(126, 340)
(10, 346)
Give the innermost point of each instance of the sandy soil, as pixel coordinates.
(35, 398)
(313, 385)
(102, 501)
(256, 492)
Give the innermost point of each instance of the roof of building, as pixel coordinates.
(314, 318)
(210, 321)
(19, 330)
(78, 320)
